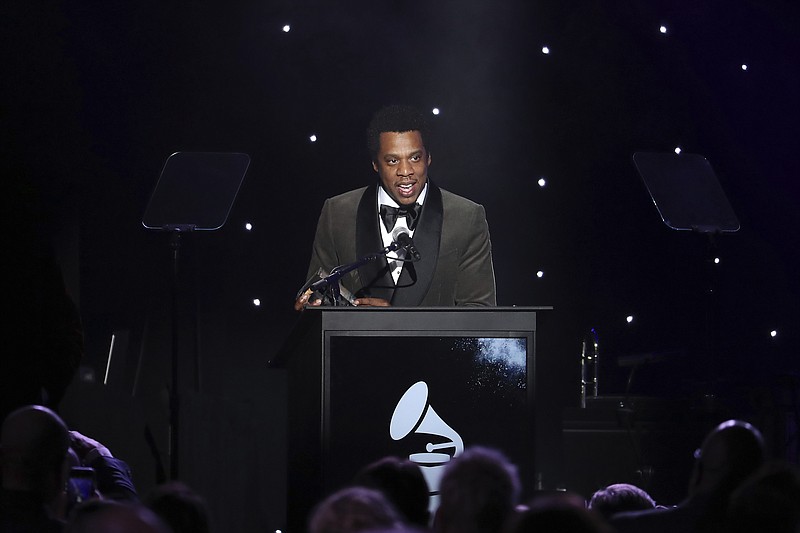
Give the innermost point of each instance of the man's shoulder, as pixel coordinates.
(344, 204)
(347, 197)
(678, 518)
(451, 200)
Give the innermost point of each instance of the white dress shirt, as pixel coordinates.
(395, 258)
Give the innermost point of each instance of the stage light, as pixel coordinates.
(545, 50)
(435, 111)
(256, 302)
(248, 226)
(773, 333)
(629, 319)
(662, 29)
(540, 274)
(313, 138)
(678, 150)
(286, 28)
(744, 67)
(716, 260)
(542, 182)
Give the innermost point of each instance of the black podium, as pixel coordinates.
(422, 383)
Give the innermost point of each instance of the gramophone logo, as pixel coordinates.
(413, 414)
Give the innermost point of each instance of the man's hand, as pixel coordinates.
(371, 302)
(301, 302)
(87, 448)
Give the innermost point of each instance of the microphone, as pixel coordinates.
(401, 236)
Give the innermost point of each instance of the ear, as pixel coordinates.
(429, 159)
(374, 166)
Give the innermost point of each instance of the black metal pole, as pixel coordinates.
(174, 405)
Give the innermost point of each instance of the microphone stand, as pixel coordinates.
(330, 283)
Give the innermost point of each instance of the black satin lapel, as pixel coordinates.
(375, 277)
(426, 238)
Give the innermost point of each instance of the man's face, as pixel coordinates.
(402, 163)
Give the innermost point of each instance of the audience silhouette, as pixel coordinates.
(769, 501)
(109, 516)
(34, 443)
(479, 491)
(619, 498)
(180, 507)
(402, 483)
(354, 509)
(730, 453)
(38, 454)
(562, 513)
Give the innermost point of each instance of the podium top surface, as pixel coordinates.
(427, 318)
(448, 309)
(409, 321)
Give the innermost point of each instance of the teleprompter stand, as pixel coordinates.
(196, 191)
(688, 196)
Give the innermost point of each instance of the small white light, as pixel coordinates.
(435, 111)
(716, 260)
(545, 50)
(313, 138)
(744, 67)
(629, 319)
(662, 29)
(678, 150)
(248, 226)
(256, 302)
(542, 182)
(540, 274)
(773, 333)
(286, 28)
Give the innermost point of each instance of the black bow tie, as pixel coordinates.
(389, 215)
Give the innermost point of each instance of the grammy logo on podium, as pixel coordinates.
(413, 414)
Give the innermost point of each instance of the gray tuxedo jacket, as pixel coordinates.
(452, 237)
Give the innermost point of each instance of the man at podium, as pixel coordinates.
(444, 255)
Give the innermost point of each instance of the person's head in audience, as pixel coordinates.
(403, 484)
(33, 452)
(619, 498)
(109, 516)
(564, 513)
(769, 501)
(479, 490)
(180, 507)
(730, 453)
(354, 509)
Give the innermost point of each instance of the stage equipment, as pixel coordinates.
(195, 192)
(686, 192)
(363, 383)
(590, 367)
(644, 441)
(688, 197)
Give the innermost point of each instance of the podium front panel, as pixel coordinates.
(473, 386)
(415, 383)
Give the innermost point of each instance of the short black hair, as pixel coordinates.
(398, 118)
(403, 484)
(620, 497)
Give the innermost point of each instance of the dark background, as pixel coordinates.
(96, 95)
